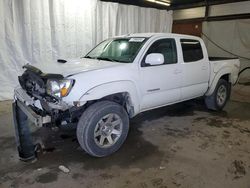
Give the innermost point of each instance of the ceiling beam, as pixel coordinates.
(215, 18)
(141, 3)
(202, 3)
(206, 10)
(228, 17)
(173, 6)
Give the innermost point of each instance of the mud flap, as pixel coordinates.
(25, 146)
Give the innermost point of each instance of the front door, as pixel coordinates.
(160, 84)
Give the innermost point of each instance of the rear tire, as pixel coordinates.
(219, 97)
(103, 128)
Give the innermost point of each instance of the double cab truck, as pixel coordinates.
(118, 79)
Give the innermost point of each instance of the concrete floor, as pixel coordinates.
(182, 145)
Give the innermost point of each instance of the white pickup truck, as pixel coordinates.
(120, 78)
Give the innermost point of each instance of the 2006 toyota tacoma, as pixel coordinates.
(118, 79)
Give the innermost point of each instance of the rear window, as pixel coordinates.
(192, 50)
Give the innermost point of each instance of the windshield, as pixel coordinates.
(118, 50)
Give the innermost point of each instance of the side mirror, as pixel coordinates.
(154, 59)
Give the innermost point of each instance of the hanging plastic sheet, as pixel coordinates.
(43, 31)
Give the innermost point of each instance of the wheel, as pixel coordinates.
(103, 128)
(219, 97)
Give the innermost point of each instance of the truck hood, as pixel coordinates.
(75, 66)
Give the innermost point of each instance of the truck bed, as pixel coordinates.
(221, 58)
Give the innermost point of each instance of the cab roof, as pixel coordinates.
(149, 35)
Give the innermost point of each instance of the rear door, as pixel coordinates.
(160, 84)
(195, 68)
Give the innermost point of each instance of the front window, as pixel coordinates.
(166, 47)
(118, 50)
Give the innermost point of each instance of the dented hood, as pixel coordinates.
(75, 66)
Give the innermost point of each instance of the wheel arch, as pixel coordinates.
(222, 74)
(122, 92)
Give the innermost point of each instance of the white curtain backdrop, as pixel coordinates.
(41, 31)
(232, 35)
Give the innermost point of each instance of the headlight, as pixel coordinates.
(59, 88)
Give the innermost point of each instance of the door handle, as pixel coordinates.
(177, 71)
(204, 67)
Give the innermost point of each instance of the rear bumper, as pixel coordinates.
(25, 103)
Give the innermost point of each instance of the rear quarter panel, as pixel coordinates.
(220, 68)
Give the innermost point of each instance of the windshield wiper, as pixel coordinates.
(88, 57)
(106, 59)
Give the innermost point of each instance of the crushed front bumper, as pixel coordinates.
(25, 146)
(22, 112)
(24, 102)
(26, 109)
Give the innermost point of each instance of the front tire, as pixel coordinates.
(103, 128)
(219, 97)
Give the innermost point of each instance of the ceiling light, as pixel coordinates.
(161, 2)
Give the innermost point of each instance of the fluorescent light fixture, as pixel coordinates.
(161, 2)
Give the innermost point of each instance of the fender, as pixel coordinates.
(218, 75)
(114, 87)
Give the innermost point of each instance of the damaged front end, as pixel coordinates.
(40, 103)
(43, 94)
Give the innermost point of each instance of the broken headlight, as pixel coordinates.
(59, 88)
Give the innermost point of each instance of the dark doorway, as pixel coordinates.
(190, 28)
